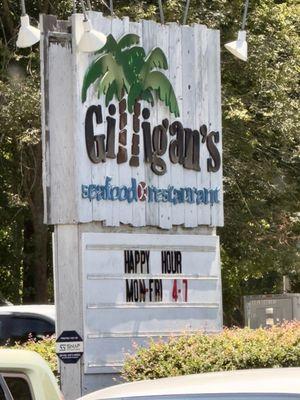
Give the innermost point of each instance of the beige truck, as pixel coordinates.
(24, 375)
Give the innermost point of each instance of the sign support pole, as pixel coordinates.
(68, 295)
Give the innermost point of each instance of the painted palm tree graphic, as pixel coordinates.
(123, 66)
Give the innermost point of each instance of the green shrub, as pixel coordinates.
(45, 348)
(228, 350)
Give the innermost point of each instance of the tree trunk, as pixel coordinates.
(7, 20)
(39, 256)
(28, 273)
(45, 7)
(40, 259)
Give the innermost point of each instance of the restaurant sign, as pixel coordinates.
(144, 125)
(131, 138)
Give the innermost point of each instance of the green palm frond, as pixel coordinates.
(95, 71)
(109, 47)
(128, 40)
(132, 62)
(105, 83)
(123, 67)
(158, 82)
(111, 92)
(114, 74)
(146, 95)
(157, 59)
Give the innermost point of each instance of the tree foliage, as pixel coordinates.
(45, 347)
(260, 240)
(261, 157)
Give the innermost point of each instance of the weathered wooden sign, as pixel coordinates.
(133, 132)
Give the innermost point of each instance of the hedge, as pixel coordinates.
(45, 347)
(231, 349)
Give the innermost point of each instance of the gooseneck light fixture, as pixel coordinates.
(91, 40)
(239, 47)
(28, 35)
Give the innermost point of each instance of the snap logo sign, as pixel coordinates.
(140, 136)
(69, 347)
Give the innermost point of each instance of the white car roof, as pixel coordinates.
(45, 310)
(276, 380)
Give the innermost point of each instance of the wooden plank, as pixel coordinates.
(125, 209)
(149, 43)
(57, 140)
(83, 165)
(102, 210)
(203, 179)
(45, 26)
(188, 112)
(62, 176)
(164, 208)
(215, 121)
(112, 168)
(138, 173)
(175, 68)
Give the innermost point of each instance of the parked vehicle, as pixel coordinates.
(24, 375)
(255, 384)
(18, 322)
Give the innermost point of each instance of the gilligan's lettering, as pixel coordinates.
(182, 144)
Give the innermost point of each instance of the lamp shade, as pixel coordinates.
(91, 40)
(28, 35)
(239, 47)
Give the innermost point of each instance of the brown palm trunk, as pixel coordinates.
(135, 157)
(122, 151)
